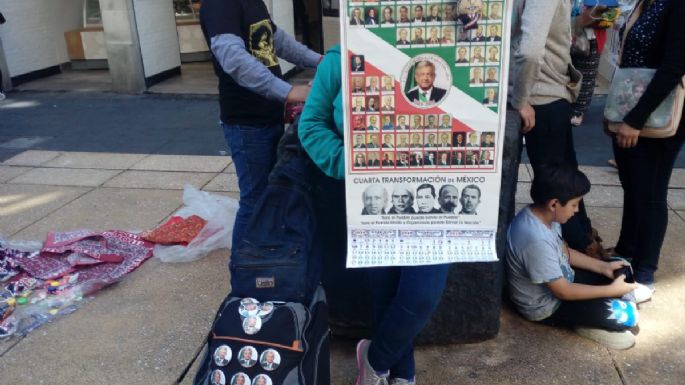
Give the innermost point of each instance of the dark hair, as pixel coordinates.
(425, 186)
(560, 182)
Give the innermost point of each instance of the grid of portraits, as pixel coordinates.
(417, 145)
(473, 28)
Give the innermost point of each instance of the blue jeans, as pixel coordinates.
(253, 149)
(404, 300)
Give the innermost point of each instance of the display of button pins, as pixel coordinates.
(248, 307)
(247, 356)
(217, 378)
(222, 355)
(270, 359)
(262, 379)
(240, 378)
(265, 309)
(252, 325)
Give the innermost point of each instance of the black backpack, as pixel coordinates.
(278, 259)
(295, 335)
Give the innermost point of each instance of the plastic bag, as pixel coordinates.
(218, 211)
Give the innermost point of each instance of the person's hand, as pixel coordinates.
(298, 94)
(626, 136)
(527, 118)
(620, 287)
(589, 15)
(612, 266)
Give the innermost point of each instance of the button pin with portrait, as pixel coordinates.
(252, 325)
(248, 307)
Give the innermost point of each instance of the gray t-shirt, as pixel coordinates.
(536, 255)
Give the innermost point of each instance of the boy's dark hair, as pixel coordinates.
(560, 182)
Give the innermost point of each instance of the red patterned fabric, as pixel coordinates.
(176, 230)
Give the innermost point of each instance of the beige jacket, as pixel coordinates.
(541, 69)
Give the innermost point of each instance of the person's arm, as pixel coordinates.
(569, 291)
(293, 51)
(541, 260)
(536, 21)
(229, 50)
(669, 73)
(317, 129)
(585, 262)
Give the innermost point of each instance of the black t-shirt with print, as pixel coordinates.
(249, 20)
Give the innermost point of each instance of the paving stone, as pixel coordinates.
(676, 199)
(107, 209)
(677, 178)
(22, 205)
(31, 158)
(65, 177)
(10, 172)
(524, 174)
(183, 163)
(607, 176)
(223, 182)
(165, 180)
(95, 160)
(604, 196)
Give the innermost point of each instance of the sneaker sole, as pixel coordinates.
(606, 340)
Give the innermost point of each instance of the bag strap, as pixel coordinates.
(630, 22)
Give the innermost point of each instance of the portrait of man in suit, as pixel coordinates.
(356, 18)
(457, 158)
(387, 16)
(373, 160)
(371, 16)
(248, 357)
(359, 142)
(357, 63)
(418, 15)
(486, 158)
(372, 85)
(388, 160)
(403, 15)
(470, 199)
(270, 360)
(388, 104)
(401, 123)
(494, 34)
(357, 84)
(462, 56)
(372, 141)
(387, 141)
(387, 123)
(222, 355)
(375, 198)
(403, 36)
(425, 93)
(444, 140)
(425, 199)
(448, 198)
(490, 97)
(418, 36)
(402, 200)
(388, 84)
(445, 122)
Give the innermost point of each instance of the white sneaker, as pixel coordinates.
(2, 96)
(368, 376)
(641, 294)
(402, 381)
(613, 340)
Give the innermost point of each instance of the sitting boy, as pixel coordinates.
(542, 284)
